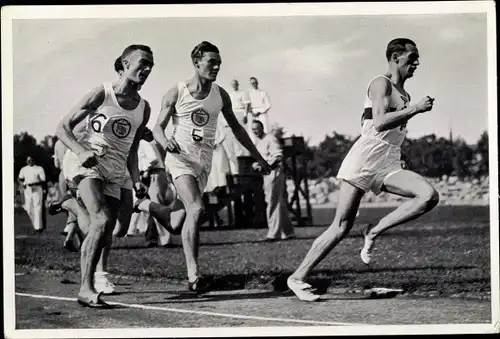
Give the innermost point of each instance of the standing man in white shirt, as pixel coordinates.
(278, 220)
(227, 148)
(260, 105)
(32, 177)
(241, 109)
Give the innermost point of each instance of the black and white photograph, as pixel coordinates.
(250, 169)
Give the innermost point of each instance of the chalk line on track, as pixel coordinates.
(179, 310)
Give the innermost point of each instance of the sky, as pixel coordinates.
(315, 68)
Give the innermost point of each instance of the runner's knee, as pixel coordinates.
(429, 198)
(432, 199)
(195, 209)
(102, 221)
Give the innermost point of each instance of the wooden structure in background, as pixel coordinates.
(292, 148)
(244, 199)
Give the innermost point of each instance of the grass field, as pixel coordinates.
(444, 253)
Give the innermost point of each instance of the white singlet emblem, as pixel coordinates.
(121, 127)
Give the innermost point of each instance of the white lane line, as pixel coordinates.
(215, 314)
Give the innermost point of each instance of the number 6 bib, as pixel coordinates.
(200, 118)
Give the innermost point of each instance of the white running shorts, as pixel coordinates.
(369, 162)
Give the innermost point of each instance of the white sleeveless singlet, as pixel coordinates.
(195, 121)
(397, 101)
(111, 131)
(195, 125)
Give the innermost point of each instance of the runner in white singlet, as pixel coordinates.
(374, 163)
(78, 222)
(78, 218)
(100, 160)
(376, 154)
(110, 132)
(195, 123)
(194, 106)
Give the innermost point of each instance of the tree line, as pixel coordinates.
(428, 155)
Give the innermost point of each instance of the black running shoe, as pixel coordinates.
(56, 206)
(199, 286)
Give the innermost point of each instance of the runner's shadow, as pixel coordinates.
(397, 233)
(260, 241)
(187, 297)
(153, 292)
(145, 246)
(365, 296)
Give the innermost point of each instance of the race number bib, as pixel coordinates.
(200, 119)
(197, 134)
(97, 122)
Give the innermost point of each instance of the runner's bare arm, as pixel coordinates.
(79, 128)
(239, 132)
(133, 158)
(379, 92)
(88, 104)
(167, 111)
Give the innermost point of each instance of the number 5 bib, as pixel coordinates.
(200, 119)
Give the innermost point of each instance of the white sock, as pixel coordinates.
(144, 205)
(192, 279)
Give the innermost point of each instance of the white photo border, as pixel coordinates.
(10, 13)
